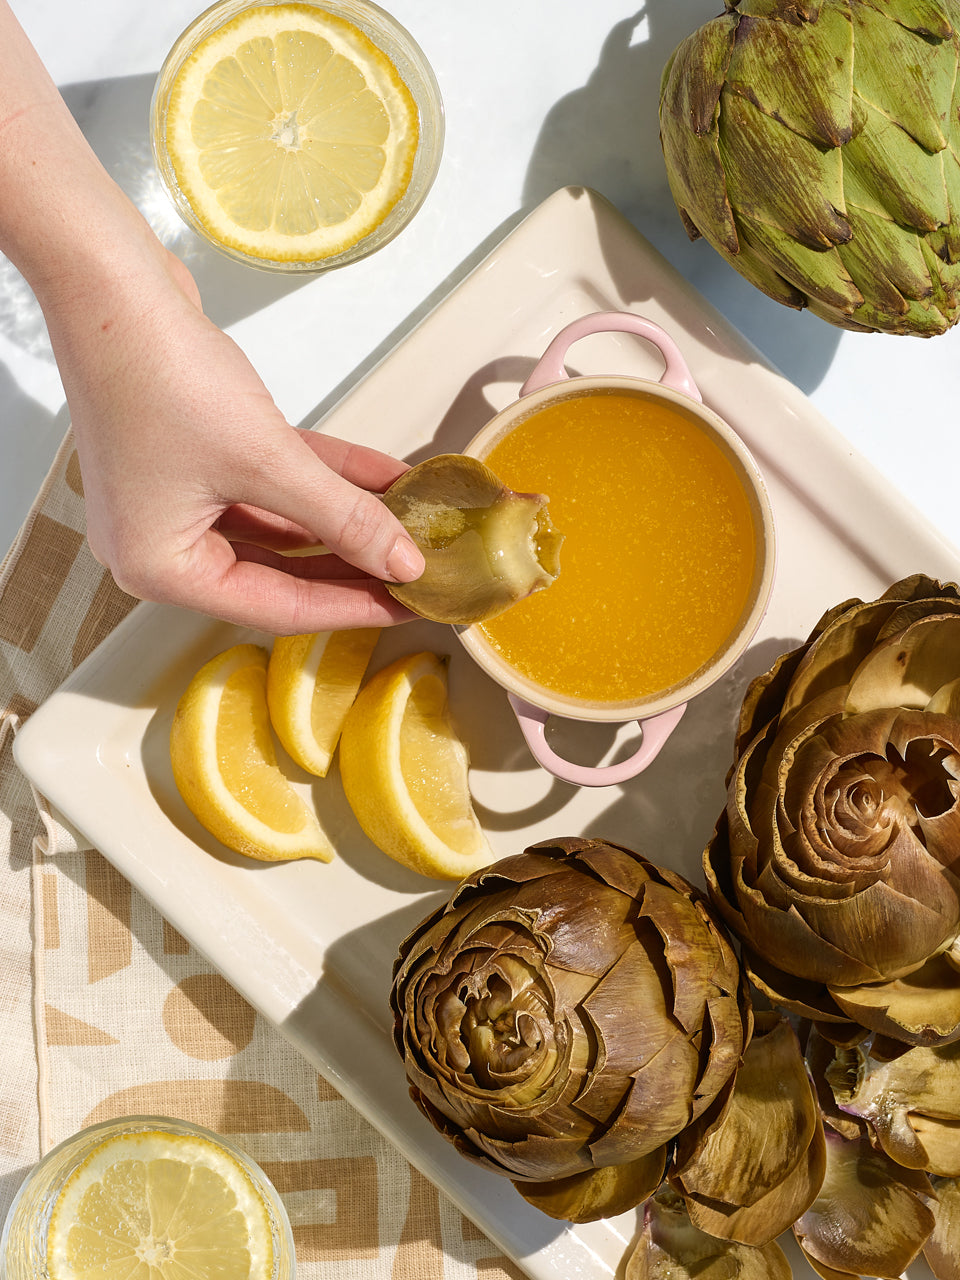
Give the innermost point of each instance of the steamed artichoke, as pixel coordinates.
(564, 1016)
(836, 858)
(815, 145)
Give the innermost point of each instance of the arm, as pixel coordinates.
(179, 442)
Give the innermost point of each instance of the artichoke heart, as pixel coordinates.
(485, 546)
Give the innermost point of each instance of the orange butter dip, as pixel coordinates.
(659, 550)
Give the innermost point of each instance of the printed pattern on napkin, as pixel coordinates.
(129, 1019)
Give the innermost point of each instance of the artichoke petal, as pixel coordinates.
(925, 17)
(670, 1247)
(484, 546)
(912, 82)
(907, 669)
(598, 1193)
(816, 274)
(871, 1218)
(748, 1174)
(801, 73)
(689, 107)
(806, 203)
(911, 1102)
(922, 1008)
(886, 175)
(942, 1249)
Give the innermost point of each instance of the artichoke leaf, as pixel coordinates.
(597, 1193)
(891, 268)
(805, 203)
(761, 1222)
(925, 17)
(689, 106)
(750, 1173)
(670, 1247)
(911, 1102)
(886, 175)
(907, 669)
(946, 700)
(871, 1218)
(912, 83)
(837, 648)
(921, 1008)
(942, 1249)
(799, 73)
(818, 274)
(484, 546)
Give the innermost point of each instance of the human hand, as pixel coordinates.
(194, 482)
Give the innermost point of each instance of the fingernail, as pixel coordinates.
(405, 562)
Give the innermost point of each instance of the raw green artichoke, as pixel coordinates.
(815, 145)
(837, 858)
(564, 1016)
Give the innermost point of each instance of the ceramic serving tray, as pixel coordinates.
(311, 945)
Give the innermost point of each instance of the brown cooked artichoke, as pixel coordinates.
(837, 858)
(564, 1016)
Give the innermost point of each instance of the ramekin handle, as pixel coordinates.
(551, 366)
(533, 720)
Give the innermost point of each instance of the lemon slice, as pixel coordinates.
(291, 134)
(225, 765)
(312, 681)
(168, 1206)
(404, 771)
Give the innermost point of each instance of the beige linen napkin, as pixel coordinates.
(105, 1010)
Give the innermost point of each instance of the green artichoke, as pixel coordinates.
(564, 1016)
(836, 858)
(815, 145)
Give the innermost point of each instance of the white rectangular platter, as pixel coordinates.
(312, 946)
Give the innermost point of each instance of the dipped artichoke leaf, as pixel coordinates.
(750, 1174)
(806, 68)
(597, 1193)
(871, 1217)
(911, 1102)
(942, 1248)
(946, 700)
(484, 546)
(921, 1008)
(670, 1247)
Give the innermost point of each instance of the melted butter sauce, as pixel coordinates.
(658, 555)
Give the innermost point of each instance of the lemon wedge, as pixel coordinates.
(404, 771)
(312, 681)
(225, 765)
(159, 1204)
(290, 133)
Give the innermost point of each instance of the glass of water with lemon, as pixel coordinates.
(297, 136)
(147, 1195)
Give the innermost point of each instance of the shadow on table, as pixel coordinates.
(605, 135)
(114, 115)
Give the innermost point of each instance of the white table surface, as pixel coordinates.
(539, 94)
